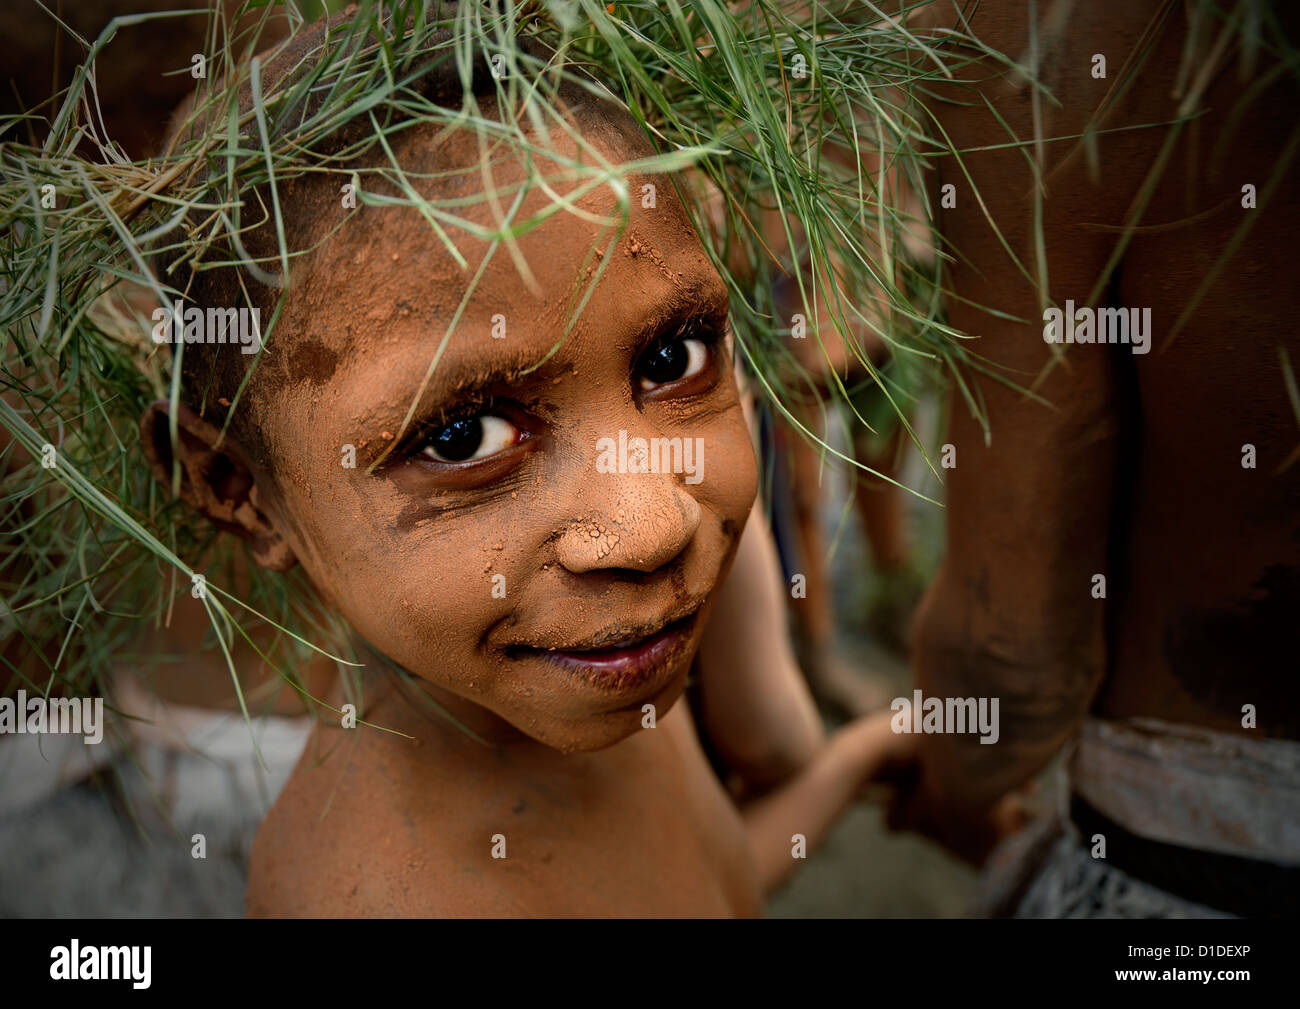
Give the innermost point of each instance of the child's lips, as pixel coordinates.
(628, 663)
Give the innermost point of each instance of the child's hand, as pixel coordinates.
(864, 751)
(884, 756)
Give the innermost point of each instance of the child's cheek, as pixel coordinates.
(428, 596)
(729, 474)
(418, 593)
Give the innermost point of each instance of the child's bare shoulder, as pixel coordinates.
(346, 838)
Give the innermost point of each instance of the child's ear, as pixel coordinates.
(216, 481)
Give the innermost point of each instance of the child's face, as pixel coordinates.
(489, 554)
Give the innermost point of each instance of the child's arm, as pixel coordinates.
(755, 706)
(810, 803)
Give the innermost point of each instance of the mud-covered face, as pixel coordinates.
(509, 548)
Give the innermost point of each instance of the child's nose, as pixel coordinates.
(642, 522)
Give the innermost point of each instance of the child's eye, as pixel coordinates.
(471, 438)
(672, 361)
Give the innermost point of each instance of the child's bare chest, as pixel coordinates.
(642, 829)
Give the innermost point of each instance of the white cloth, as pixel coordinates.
(1177, 784)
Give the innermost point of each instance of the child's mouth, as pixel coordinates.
(628, 663)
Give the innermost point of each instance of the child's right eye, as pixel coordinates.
(471, 438)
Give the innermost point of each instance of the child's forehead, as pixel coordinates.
(387, 277)
(396, 323)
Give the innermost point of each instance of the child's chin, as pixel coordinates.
(602, 729)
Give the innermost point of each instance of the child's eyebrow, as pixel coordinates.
(466, 376)
(460, 373)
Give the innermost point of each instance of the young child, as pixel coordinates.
(531, 616)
